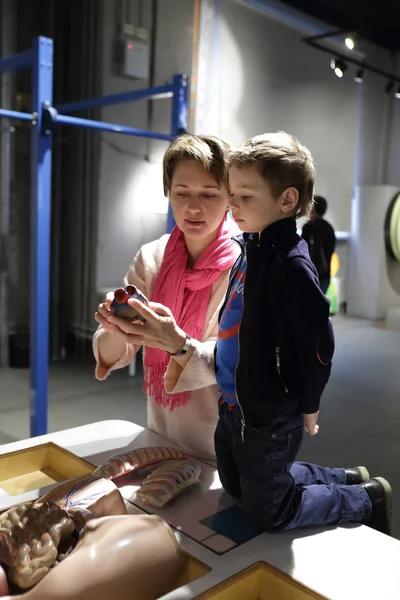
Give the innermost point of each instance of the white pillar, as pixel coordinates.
(372, 130)
(374, 278)
(372, 275)
(205, 96)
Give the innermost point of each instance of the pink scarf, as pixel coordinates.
(187, 293)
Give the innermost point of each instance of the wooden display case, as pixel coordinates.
(260, 582)
(39, 467)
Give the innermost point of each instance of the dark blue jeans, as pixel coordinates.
(273, 490)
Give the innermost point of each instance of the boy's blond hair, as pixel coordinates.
(284, 163)
(209, 151)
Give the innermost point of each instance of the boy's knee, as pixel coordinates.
(261, 517)
(229, 480)
(232, 490)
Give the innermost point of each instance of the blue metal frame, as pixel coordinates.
(16, 62)
(164, 91)
(42, 86)
(13, 114)
(44, 116)
(66, 120)
(179, 123)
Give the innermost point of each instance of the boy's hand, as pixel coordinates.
(310, 423)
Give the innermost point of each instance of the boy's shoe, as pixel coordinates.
(381, 496)
(356, 476)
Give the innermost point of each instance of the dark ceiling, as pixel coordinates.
(375, 20)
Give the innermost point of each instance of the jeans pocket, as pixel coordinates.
(294, 440)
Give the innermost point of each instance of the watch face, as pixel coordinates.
(392, 228)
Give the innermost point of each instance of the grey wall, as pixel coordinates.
(271, 80)
(392, 174)
(132, 207)
(393, 167)
(268, 80)
(374, 279)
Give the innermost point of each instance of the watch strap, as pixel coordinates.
(184, 349)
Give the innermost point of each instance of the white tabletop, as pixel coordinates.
(340, 563)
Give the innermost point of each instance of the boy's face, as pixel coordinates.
(252, 203)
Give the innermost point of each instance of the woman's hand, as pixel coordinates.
(102, 316)
(159, 331)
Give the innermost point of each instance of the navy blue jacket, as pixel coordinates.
(286, 341)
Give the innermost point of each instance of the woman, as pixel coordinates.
(185, 276)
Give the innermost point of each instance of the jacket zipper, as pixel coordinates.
(243, 420)
(278, 367)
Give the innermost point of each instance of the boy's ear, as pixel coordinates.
(289, 200)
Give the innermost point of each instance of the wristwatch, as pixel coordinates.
(184, 349)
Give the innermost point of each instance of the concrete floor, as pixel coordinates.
(360, 411)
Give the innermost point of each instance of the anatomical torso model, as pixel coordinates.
(78, 543)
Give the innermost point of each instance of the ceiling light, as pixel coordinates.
(397, 94)
(339, 67)
(359, 76)
(389, 87)
(349, 43)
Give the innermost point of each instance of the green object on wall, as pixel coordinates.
(332, 295)
(392, 228)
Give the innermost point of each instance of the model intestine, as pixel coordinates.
(34, 537)
(117, 558)
(37, 536)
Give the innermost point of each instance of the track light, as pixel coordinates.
(349, 41)
(389, 87)
(397, 94)
(340, 61)
(359, 76)
(339, 67)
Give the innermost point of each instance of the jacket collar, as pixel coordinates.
(273, 235)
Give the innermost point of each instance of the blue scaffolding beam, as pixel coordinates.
(17, 62)
(13, 114)
(156, 93)
(44, 117)
(42, 92)
(66, 120)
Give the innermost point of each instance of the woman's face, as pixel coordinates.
(198, 202)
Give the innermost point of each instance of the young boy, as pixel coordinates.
(273, 356)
